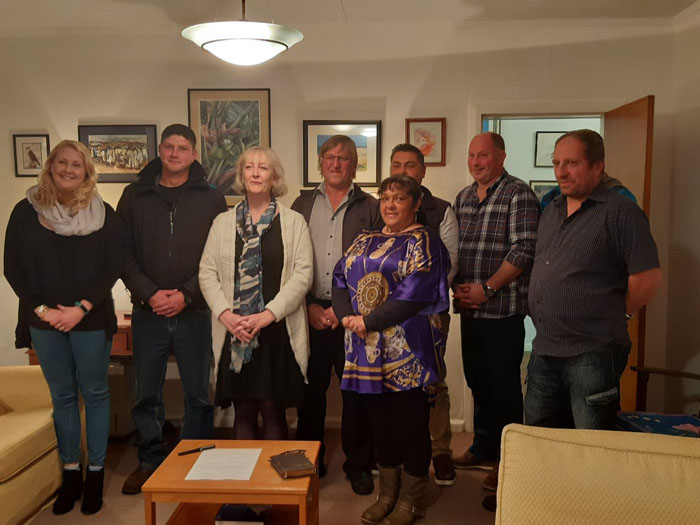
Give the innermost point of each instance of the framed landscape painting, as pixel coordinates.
(226, 123)
(31, 151)
(428, 135)
(119, 151)
(367, 136)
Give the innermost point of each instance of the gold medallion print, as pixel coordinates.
(372, 290)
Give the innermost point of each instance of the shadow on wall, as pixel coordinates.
(683, 341)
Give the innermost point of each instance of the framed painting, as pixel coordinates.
(119, 151)
(226, 123)
(367, 136)
(428, 135)
(31, 151)
(544, 147)
(542, 187)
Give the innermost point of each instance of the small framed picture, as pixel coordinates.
(119, 151)
(542, 187)
(428, 135)
(544, 147)
(31, 151)
(367, 136)
(226, 123)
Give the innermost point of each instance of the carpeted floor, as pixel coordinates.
(458, 504)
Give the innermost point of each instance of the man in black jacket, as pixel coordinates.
(167, 215)
(337, 210)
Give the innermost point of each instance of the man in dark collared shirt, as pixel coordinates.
(596, 264)
(337, 210)
(497, 218)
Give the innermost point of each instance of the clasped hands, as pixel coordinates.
(64, 318)
(356, 324)
(167, 303)
(245, 327)
(469, 295)
(321, 318)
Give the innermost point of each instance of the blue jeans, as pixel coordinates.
(70, 362)
(189, 336)
(575, 392)
(492, 350)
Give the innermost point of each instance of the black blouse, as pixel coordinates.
(46, 268)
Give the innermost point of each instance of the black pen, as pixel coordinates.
(198, 449)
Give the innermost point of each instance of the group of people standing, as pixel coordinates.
(281, 298)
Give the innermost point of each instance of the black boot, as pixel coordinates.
(70, 491)
(94, 484)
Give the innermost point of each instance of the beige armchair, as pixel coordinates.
(594, 476)
(30, 469)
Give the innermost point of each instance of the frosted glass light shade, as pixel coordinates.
(243, 43)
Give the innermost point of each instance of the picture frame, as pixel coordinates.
(367, 135)
(428, 135)
(544, 147)
(226, 123)
(31, 151)
(119, 151)
(542, 187)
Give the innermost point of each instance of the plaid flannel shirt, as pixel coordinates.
(502, 227)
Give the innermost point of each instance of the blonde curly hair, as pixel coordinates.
(47, 194)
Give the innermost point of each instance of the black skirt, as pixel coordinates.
(273, 373)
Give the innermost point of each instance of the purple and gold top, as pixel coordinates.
(409, 266)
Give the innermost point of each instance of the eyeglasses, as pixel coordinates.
(332, 158)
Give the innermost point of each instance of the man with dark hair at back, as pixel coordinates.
(497, 217)
(596, 264)
(406, 159)
(337, 210)
(167, 214)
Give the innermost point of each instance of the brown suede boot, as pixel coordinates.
(411, 504)
(389, 485)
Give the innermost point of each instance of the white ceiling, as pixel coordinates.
(374, 29)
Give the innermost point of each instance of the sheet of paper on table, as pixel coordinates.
(225, 463)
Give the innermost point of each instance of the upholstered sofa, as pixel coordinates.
(592, 476)
(30, 470)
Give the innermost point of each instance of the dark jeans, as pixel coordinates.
(76, 362)
(492, 350)
(189, 336)
(400, 425)
(328, 354)
(575, 392)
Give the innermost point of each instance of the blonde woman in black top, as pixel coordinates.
(62, 256)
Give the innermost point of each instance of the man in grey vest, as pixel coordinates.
(437, 214)
(337, 210)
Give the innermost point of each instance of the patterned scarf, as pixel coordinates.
(247, 294)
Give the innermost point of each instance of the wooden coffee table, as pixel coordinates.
(265, 486)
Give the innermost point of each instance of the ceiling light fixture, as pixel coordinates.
(243, 43)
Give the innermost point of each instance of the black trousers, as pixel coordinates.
(327, 355)
(492, 350)
(400, 425)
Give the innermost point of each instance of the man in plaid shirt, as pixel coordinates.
(497, 217)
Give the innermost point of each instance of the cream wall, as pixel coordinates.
(683, 340)
(55, 83)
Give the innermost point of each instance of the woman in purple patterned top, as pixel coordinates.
(389, 288)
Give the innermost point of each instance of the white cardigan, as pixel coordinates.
(216, 279)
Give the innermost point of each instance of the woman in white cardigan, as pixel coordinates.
(255, 272)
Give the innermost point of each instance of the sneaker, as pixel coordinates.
(491, 481)
(362, 483)
(444, 471)
(469, 461)
(133, 484)
(489, 503)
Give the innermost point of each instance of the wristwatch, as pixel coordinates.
(488, 291)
